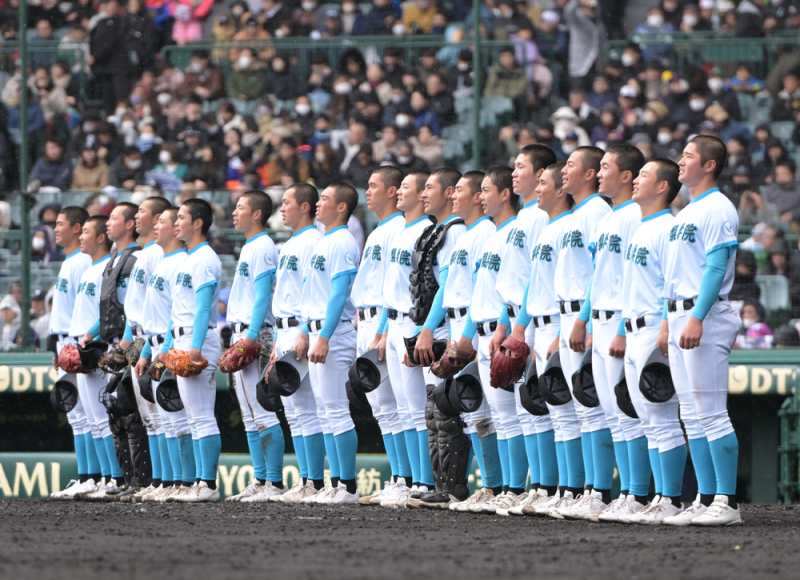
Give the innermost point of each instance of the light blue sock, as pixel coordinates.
(532, 451)
(102, 457)
(469, 460)
(476, 448)
(300, 452)
(111, 451)
(425, 467)
(92, 461)
(623, 465)
(517, 462)
(315, 455)
(391, 452)
(588, 459)
(493, 469)
(166, 465)
(639, 462)
(549, 464)
(703, 466)
(655, 467)
(412, 446)
(80, 454)
(173, 454)
(347, 448)
(274, 446)
(155, 455)
(210, 447)
(602, 459)
(576, 461)
(561, 458)
(502, 450)
(332, 453)
(725, 454)
(403, 465)
(198, 459)
(188, 462)
(257, 455)
(673, 465)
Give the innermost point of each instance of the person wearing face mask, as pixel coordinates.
(382, 17)
(510, 21)
(127, 171)
(246, 80)
(273, 13)
(280, 82)
(202, 79)
(353, 21)
(753, 314)
(720, 94)
(324, 169)
(648, 32)
(321, 131)
(90, 173)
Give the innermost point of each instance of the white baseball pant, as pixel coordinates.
(301, 408)
(408, 383)
(328, 379)
(382, 401)
(199, 393)
(254, 416)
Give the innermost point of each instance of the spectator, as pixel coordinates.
(353, 21)
(440, 100)
(41, 37)
(587, 35)
(392, 66)
(653, 30)
(206, 172)
(407, 162)
(509, 22)
(188, 15)
(382, 17)
(148, 145)
(348, 149)
(169, 161)
(192, 121)
(778, 264)
(40, 314)
(53, 170)
(601, 93)
(376, 84)
(35, 115)
(250, 34)
(428, 147)
(110, 57)
(744, 81)
(565, 121)
(91, 173)
(126, 171)
(63, 78)
(202, 79)
(422, 113)
(784, 193)
(52, 98)
(324, 168)
(428, 64)
(786, 104)
(246, 81)
(418, 16)
(279, 82)
(386, 144)
(752, 313)
(744, 277)
(506, 78)
(361, 167)
(609, 130)
(753, 210)
(287, 166)
(786, 336)
(273, 13)
(11, 313)
(764, 172)
(222, 31)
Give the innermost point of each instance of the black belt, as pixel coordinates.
(316, 325)
(392, 314)
(512, 311)
(454, 312)
(138, 331)
(284, 323)
(156, 339)
(575, 305)
(241, 327)
(545, 320)
(672, 305)
(492, 327)
(596, 314)
(640, 323)
(185, 331)
(373, 311)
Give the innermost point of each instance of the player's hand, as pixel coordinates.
(423, 352)
(196, 356)
(692, 333)
(273, 356)
(55, 362)
(379, 342)
(406, 361)
(123, 344)
(319, 352)
(577, 339)
(141, 366)
(301, 347)
(518, 333)
(617, 348)
(465, 344)
(249, 341)
(87, 338)
(553, 347)
(663, 338)
(159, 358)
(498, 337)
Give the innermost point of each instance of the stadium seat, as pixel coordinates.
(783, 130)
(762, 109)
(462, 133)
(774, 292)
(746, 105)
(453, 149)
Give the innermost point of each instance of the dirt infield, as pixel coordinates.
(41, 540)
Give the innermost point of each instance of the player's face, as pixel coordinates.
(376, 193)
(88, 239)
(63, 231)
(463, 199)
(690, 168)
(546, 192)
(433, 197)
(572, 174)
(645, 186)
(491, 199)
(164, 229)
(610, 176)
(407, 196)
(523, 176)
(327, 208)
(242, 215)
(290, 211)
(144, 219)
(115, 228)
(183, 225)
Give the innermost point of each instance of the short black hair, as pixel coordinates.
(788, 163)
(258, 200)
(629, 158)
(446, 177)
(668, 171)
(420, 178)
(128, 210)
(172, 212)
(99, 223)
(711, 149)
(200, 209)
(390, 176)
(306, 193)
(501, 178)
(345, 193)
(590, 159)
(132, 150)
(158, 204)
(474, 179)
(540, 156)
(75, 215)
(555, 171)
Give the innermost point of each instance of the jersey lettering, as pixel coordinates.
(244, 269)
(318, 262)
(122, 282)
(641, 256)
(459, 258)
(573, 239)
(516, 237)
(184, 280)
(62, 285)
(490, 261)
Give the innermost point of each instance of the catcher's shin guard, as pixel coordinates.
(119, 431)
(454, 447)
(433, 439)
(139, 447)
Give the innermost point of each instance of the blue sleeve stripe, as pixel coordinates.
(445, 267)
(733, 244)
(267, 273)
(211, 283)
(345, 273)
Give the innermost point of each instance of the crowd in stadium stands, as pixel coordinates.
(245, 114)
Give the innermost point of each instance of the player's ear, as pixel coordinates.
(538, 174)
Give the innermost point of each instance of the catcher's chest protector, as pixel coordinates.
(422, 281)
(112, 311)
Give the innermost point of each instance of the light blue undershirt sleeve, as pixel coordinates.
(523, 318)
(128, 334)
(437, 313)
(664, 314)
(95, 329)
(711, 284)
(384, 321)
(333, 313)
(586, 310)
(470, 328)
(147, 352)
(168, 340)
(621, 329)
(202, 299)
(263, 288)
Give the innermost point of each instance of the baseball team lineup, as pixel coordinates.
(554, 321)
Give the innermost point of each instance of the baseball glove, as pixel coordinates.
(452, 362)
(178, 362)
(114, 361)
(133, 351)
(69, 359)
(238, 356)
(508, 363)
(156, 370)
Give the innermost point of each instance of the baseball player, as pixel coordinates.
(329, 311)
(195, 295)
(701, 250)
(155, 316)
(540, 306)
(294, 264)
(603, 305)
(573, 276)
(95, 243)
(642, 293)
(408, 383)
(503, 259)
(252, 322)
(69, 225)
(368, 298)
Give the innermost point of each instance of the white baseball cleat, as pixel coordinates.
(152, 493)
(654, 515)
(685, 517)
(320, 495)
(67, 492)
(139, 495)
(205, 494)
(477, 506)
(626, 518)
(342, 496)
(565, 502)
(543, 507)
(392, 494)
(622, 510)
(415, 499)
(264, 493)
(99, 493)
(399, 499)
(183, 494)
(252, 488)
(505, 502)
(719, 513)
(297, 494)
(375, 498)
(463, 506)
(610, 508)
(592, 504)
(534, 498)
